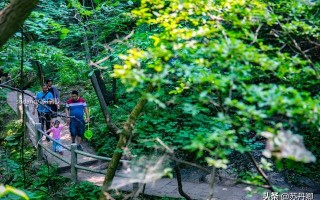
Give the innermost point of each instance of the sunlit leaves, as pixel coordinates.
(219, 163)
(77, 5)
(4, 190)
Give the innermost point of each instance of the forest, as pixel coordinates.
(224, 89)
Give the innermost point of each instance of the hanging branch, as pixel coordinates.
(17, 90)
(13, 16)
(180, 189)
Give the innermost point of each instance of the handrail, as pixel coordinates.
(90, 170)
(98, 157)
(98, 171)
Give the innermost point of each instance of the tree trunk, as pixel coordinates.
(111, 126)
(35, 62)
(13, 16)
(124, 136)
(95, 82)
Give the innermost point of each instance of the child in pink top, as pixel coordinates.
(56, 134)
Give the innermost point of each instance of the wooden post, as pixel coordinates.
(74, 176)
(3, 79)
(26, 109)
(38, 140)
(135, 190)
(19, 102)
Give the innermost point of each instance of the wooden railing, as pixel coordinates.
(34, 130)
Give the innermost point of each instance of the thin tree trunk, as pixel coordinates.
(179, 181)
(124, 136)
(114, 83)
(13, 16)
(213, 171)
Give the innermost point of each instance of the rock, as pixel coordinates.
(37, 164)
(317, 191)
(305, 181)
(227, 173)
(190, 174)
(225, 177)
(103, 166)
(222, 181)
(276, 178)
(206, 178)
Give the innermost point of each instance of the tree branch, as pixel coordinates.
(297, 47)
(13, 16)
(256, 35)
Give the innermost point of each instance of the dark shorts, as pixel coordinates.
(77, 128)
(54, 108)
(44, 119)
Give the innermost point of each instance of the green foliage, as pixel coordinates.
(82, 190)
(40, 182)
(105, 147)
(213, 61)
(6, 113)
(54, 38)
(13, 134)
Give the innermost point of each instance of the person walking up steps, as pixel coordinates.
(56, 130)
(75, 109)
(55, 106)
(43, 100)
